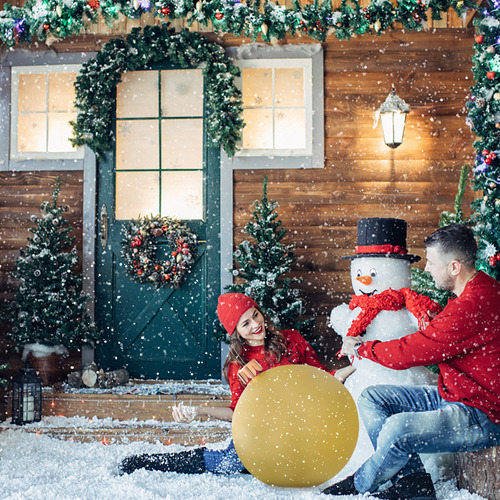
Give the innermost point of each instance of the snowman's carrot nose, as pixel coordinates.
(366, 280)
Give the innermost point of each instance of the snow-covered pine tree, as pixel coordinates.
(263, 263)
(49, 305)
(421, 281)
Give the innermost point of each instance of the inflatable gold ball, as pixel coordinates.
(295, 426)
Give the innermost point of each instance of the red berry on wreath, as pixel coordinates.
(185, 251)
(93, 4)
(498, 257)
(485, 152)
(165, 11)
(492, 261)
(219, 16)
(46, 26)
(174, 254)
(140, 271)
(491, 75)
(492, 156)
(185, 245)
(488, 160)
(479, 38)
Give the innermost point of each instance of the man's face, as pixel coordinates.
(438, 265)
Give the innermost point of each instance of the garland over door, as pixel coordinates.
(161, 166)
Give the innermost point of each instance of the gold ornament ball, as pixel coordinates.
(496, 96)
(295, 426)
(490, 49)
(497, 125)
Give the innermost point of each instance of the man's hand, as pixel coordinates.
(348, 345)
(425, 320)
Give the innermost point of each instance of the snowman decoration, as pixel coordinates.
(382, 308)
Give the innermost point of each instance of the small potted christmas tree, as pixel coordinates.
(48, 314)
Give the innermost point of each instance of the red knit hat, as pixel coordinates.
(230, 308)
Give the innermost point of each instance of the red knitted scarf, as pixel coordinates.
(390, 300)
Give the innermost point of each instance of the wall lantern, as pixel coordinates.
(393, 117)
(26, 397)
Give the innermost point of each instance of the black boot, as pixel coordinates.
(416, 486)
(345, 487)
(185, 462)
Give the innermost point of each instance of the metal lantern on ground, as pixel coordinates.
(26, 397)
(393, 117)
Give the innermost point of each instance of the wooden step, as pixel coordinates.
(187, 435)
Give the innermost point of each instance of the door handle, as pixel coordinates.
(103, 230)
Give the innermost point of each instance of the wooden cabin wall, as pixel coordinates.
(362, 177)
(21, 194)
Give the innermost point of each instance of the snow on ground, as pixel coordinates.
(38, 467)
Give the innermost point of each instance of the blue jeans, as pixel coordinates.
(405, 421)
(223, 461)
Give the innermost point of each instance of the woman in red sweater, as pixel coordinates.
(255, 346)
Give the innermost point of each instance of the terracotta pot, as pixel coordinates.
(49, 368)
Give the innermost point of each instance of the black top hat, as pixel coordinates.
(378, 237)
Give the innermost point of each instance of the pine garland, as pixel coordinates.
(97, 81)
(253, 18)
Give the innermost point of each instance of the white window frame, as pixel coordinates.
(299, 63)
(16, 155)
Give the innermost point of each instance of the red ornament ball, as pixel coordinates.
(479, 38)
(498, 257)
(485, 152)
(219, 16)
(491, 75)
(488, 160)
(46, 26)
(165, 11)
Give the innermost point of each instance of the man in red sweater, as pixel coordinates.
(463, 412)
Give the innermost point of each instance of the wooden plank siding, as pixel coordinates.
(430, 70)
(21, 194)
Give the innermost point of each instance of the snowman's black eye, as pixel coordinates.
(373, 273)
(358, 273)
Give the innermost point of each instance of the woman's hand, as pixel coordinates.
(343, 373)
(184, 414)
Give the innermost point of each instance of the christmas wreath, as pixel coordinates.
(139, 245)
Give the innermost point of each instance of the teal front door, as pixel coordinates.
(162, 165)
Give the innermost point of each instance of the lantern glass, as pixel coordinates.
(26, 397)
(393, 127)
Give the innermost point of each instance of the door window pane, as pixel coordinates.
(137, 193)
(137, 95)
(137, 144)
(182, 194)
(182, 93)
(182, 144)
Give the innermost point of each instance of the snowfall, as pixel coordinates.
(37, 467)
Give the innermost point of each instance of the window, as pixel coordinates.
(277, 107)
(282, 89)
(159, 144)
(42, 107)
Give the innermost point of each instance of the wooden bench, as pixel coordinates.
(479, 472)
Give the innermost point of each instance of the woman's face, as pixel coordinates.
(251, 327)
